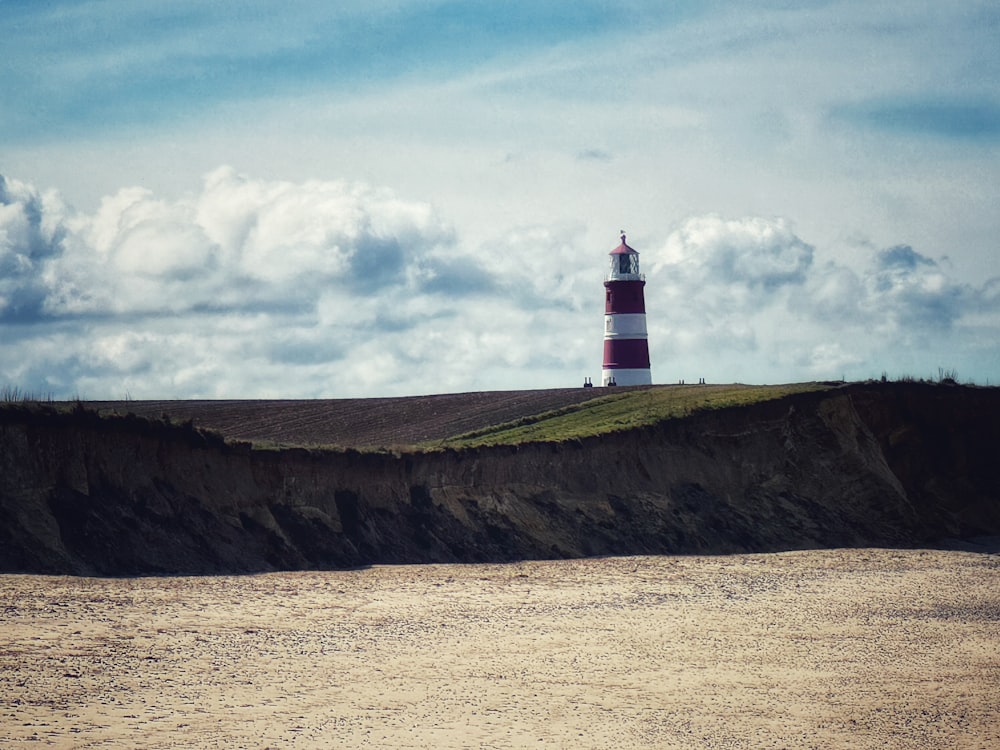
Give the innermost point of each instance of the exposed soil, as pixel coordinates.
(897, 465)
(358, 422)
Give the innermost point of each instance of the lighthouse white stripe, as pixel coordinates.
(625, 325)
(627, 377)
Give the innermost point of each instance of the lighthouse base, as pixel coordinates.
(638, 376)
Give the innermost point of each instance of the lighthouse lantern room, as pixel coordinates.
(626, 349)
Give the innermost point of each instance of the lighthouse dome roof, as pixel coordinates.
(623, 249)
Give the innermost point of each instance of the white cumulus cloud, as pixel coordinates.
(249, 287)
(745, 297)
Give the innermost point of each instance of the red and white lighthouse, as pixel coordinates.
(626, 349)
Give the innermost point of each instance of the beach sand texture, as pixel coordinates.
(817, 649)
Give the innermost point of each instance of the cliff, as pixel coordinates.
(900, 464)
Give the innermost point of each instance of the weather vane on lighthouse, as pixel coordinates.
(626, 349)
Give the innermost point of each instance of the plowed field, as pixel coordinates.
(358, 422)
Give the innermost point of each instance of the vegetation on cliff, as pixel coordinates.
(621, 411)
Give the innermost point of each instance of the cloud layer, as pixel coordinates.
(260, 288)
(746, 295)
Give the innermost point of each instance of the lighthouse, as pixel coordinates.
(626, 350)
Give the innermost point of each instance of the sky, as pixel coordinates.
(383, 198)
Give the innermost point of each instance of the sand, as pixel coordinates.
(860, 649)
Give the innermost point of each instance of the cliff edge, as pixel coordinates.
(896, 464)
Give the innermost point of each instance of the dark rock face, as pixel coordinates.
(865, 465)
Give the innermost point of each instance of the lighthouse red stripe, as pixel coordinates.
(624, 297)
(626, 354)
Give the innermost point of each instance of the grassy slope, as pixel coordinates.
(621, 411)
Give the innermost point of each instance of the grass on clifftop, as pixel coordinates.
(620, 411)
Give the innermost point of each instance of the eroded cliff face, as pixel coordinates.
(863, 465)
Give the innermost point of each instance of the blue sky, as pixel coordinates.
(388, 198)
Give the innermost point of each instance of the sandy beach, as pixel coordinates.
(845, 648)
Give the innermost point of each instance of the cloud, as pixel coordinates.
(594, 154)
(731, 268)
(834, 294)
(976, 119)
(751, 257)
(456, 276)
(902, 257)
(31, 233)
(913, 292)
(745, 296)
(230, 289)
(264, 288)
(238, 244)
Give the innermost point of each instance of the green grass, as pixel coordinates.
(625, 410)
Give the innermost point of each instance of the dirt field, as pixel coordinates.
(860, 649)
(357, 422)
